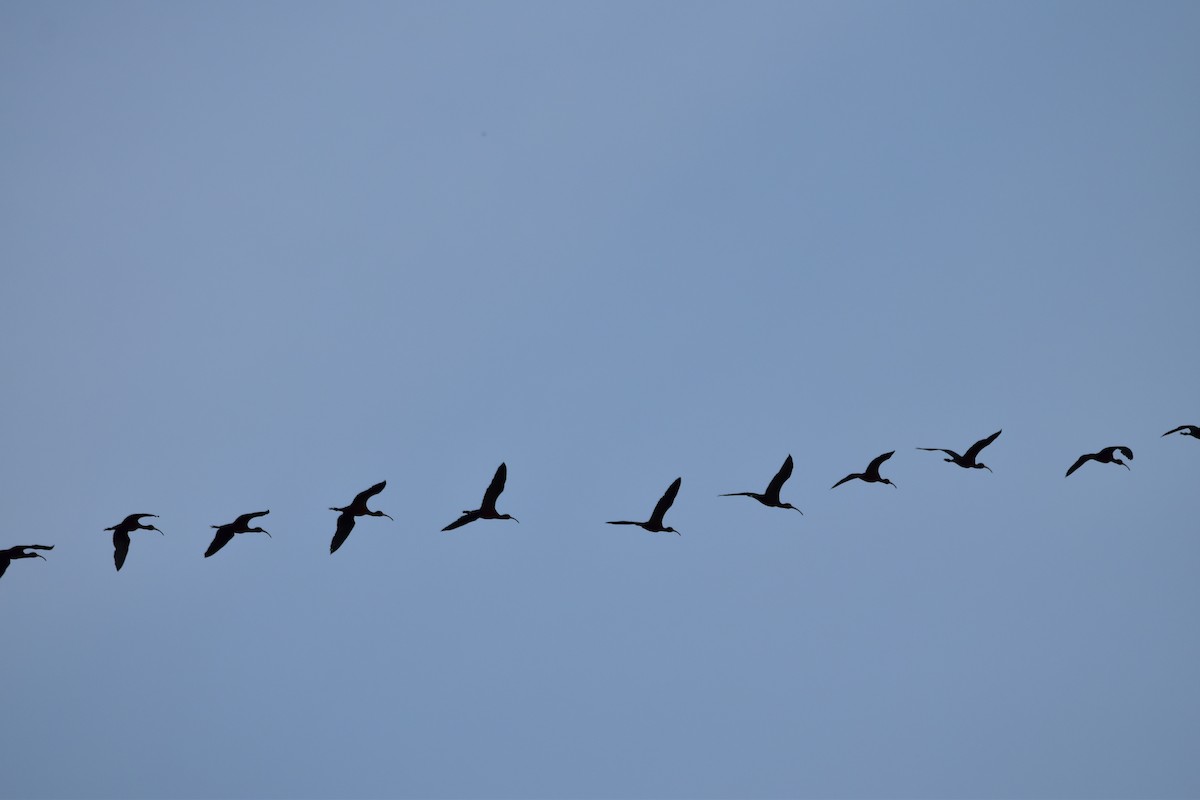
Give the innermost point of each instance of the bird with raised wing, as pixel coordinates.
(1186, 430)
(968, 459)
(872, 473)
(1105, 456)
(771, 496)
(357, 508)
(121, 533)
(13, 553)
(225, 533)
(655, 523)
(487, 509)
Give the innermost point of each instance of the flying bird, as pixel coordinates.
(357, 508)
(487, 509)
(121, 533)
(13, 553)
(655, 523)
(225, 532)
(1105, 456)
(872, 473)
(771, 496)
(1186, 430)
(967, 459)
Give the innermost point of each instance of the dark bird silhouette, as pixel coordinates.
(771, 496)
(1186, 430)
(1105, 456)
(487, 509)
(872, 473)
(13, 553)
(225, 532)
(121, 533)
(967, 459)
(357, 508)
(655, 523)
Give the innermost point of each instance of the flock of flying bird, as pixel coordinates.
(487, 508)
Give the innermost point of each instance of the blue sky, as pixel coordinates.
(264, 256)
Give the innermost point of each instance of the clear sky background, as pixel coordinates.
(262, 256)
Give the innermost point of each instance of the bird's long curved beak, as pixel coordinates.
(893, 485)
(989, 469)
(386, 515)
(1126, 466)
(268, 533)
(796, 509)
(39, 555)
(514, 519)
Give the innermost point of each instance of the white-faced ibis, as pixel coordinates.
(357, 508)
(1105, 456)
(1186, 430)
(121, 533)
(967, 459)
(771, 496)
(655, 523)
(226, 532)
(872, 473)
(13, 553)
(487, 509)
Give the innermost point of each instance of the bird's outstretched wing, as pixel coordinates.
(345, 524)
(623, 522)
(664, 503)
(950, 453)
(1083, 459)
(878, 462)
(494, 489)
(849, 477)
(244, 519)
(977, 448)
(362, 497)
(37, 547)
(222, 538)
(776, 484)
(1187, 428)
(469, 516)
(120, 548)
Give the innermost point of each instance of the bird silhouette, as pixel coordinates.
(1186, 430)
(1105, 456)
(487, 509)
(872, 473)
(967, 459)
(357, 508)
(226, 532)
(13, 553)
(655, 523)
(771, 496)
(121, 533)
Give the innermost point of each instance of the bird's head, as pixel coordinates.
(792, 507)
(672, 530)
(381, 514)
(983, 466)
(38, 555)
(888, 482)
(509, 516)
(152, 528)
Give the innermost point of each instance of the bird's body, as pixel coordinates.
(357, 508)
(14, 553)
(968, 459)
(655, 523)
(121, 533)
(226, 532)
(1105, 456)
(487, 508)
(770, 497)
(872, 473)
(1186, 430)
